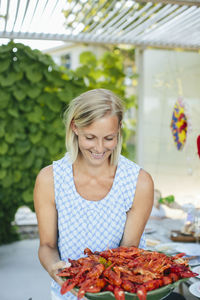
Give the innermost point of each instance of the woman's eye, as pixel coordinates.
(109, 139)
(89, 137)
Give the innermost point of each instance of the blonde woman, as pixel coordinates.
(93, 197)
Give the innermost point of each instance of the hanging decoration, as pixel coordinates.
(179, 124)
(198, 145)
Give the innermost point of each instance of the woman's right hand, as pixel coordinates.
(56, 268)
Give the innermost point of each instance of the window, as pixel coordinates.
(66, 60)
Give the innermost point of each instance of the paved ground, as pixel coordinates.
(21, 275)
(23, 278)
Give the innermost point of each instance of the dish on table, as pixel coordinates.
(149, 230)
(190, 249)
(194, 261)
(197, 278)
(152, 242)
(196, 270)
(179, 236)
(167, 248)
(195, 289)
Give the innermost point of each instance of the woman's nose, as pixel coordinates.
(99, 146)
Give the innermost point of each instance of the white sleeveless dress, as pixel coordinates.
(97, 225)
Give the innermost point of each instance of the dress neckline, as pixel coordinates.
(94, 201)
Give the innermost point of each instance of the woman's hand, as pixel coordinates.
(56, 268)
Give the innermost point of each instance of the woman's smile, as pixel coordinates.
(97, 155)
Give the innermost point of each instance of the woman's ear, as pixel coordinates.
(73, 127)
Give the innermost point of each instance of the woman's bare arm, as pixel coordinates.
(139, 213)
(47, 223)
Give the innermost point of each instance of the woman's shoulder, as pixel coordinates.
(44, 185)
(45, 176)
(145, 179)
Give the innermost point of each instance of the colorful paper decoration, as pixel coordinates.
(198, 145)
(179, 124)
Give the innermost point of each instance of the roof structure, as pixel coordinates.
(159, 23)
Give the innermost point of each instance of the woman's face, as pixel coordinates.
(98, 140)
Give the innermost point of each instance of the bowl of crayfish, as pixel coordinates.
(125, 273)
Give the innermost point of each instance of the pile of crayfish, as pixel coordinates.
(123, 269)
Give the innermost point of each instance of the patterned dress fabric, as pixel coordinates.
(97, 225)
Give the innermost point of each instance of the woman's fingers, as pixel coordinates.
(56, 268)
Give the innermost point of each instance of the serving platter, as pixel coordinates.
(152, 295)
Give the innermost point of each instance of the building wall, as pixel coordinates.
(164, 76)
(74, 51)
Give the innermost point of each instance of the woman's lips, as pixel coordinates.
(97, 155)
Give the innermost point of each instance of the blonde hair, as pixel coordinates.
(84, 110)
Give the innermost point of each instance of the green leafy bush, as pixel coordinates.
(33, 94)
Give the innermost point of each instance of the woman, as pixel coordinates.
(93, 197)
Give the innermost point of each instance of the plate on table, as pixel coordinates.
(149, 230)
(196, 270)
(167, 248)
(152, 295)
(195, 289)
(194, 261)
(197, 278)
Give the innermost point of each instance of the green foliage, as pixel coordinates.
(33, 94)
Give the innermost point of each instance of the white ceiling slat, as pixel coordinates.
(92, 18)
(96, 25)
(16, 14)
(7, 14)
(142, 28)
(70, 11)
(43, 11)
(110, 27)
(82, 20)
(187, 27)
(178, 25)
(155, 23)
(54, 7)
(140, 20)
(24, 15)
(102, 25)
(159, 26)
(171, 25)
(130, 18)
(33, 14)
(179, 2)
(87, 13)
(175, 23)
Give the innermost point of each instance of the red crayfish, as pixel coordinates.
(123, 269)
